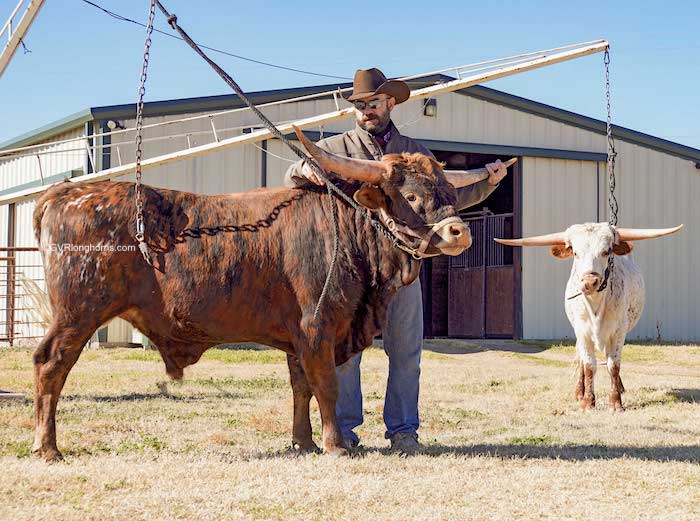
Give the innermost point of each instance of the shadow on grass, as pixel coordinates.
(686, 395)
(456, 346)
(682, 453)
(144, 397)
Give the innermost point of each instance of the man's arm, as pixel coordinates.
(301, 175)
(473, 194)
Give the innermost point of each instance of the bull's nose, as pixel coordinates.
(456, 231)
(590, 282)
(455, 238)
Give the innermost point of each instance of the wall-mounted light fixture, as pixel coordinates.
(430, 108)
(113, 124)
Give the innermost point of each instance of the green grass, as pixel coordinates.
(533, 440)
(262, 383)
(541, 361)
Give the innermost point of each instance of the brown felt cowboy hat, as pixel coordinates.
(371, 82)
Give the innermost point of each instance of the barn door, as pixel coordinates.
(480, 281)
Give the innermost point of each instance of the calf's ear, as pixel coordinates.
(561, 251)
(370, 197)
(622, 248)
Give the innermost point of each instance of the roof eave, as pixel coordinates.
(47, 131)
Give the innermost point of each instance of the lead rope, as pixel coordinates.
(330, 187)
(140, 227)
(612, 154)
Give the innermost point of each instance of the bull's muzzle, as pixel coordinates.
(455, 237)
(590, 281)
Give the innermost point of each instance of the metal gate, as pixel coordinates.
(22, 296)
(480, 281)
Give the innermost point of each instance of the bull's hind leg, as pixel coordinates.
(302, 440)
(53, 360)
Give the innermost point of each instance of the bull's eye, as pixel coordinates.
(411, 197)
(606, 253)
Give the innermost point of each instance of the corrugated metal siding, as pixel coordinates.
(55, 159)
(547, 208)
(656, 190)
(461, 118)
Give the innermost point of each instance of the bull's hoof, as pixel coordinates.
(337, 451)
(615, 404)
(49, 455)
(587, 403)
(305, 447)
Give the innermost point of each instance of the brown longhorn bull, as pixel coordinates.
(246, 267)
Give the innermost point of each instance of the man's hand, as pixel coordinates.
(497, 171)
(309, 173)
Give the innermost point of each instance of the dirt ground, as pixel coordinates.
(504, 440)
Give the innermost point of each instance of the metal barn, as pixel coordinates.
(487, 292)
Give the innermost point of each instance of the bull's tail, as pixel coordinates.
(42, 203)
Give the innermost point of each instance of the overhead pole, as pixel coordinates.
(14, 37)
(286, 128)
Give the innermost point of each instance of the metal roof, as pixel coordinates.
(231, 101)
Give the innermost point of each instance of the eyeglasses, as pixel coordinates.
(372, 104)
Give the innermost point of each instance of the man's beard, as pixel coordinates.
(376, 125)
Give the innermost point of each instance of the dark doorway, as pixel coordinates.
(473, 295)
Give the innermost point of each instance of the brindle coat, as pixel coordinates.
(246, 267)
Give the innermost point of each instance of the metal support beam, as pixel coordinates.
(15, 38)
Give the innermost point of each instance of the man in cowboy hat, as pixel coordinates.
(374, 134)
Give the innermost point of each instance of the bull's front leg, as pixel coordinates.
(302, 440)
(614, 356)
(587, 368)
(317, 358)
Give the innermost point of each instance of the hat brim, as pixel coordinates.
(397, 89)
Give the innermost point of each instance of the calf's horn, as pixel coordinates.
(540, 240)
(639, 234)
(462, 178)
(359, 169)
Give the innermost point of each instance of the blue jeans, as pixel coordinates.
(403, 343)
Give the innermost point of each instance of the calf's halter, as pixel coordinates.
(399, 230)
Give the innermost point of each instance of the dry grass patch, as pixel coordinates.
(504, 438)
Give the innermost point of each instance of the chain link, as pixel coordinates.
(140, 227)
(612, 154)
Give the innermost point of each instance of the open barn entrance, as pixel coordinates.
(475, 295)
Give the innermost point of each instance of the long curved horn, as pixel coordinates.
(551, 239)
(639, 234)
(358, 169)
(462, 178)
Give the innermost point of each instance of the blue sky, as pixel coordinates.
(80, 57)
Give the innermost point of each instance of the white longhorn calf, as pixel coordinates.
(601, 315)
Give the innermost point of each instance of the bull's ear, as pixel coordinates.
(561, 251)
(623, 248)
(370, 197)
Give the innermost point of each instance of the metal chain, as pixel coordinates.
(612, 154)
(612, 200)
(140, 227)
